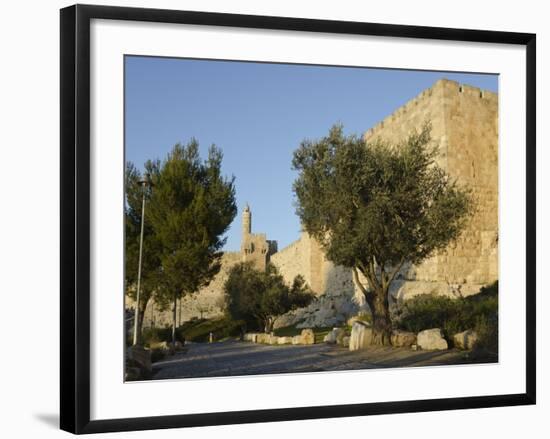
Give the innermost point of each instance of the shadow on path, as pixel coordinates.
(231, 358)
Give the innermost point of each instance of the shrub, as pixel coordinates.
(487, 331)
(200, 330)
(150, 336)
(157, 355)
(478, 312)
(193, 330)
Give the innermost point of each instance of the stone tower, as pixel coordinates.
(247, 221)
(255, 247)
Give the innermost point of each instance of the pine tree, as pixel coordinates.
(191, 208)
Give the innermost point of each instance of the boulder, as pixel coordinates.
(297, 339)
(332, 336)
(400, 339)
(431, 339)
(345, 341)
(361, 336)
(466, 339)
(308, 336)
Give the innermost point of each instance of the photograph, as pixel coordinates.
(287, 218)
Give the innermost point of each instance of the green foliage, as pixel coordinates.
(199, 330)
(377, 200)
(191, 208)
(157, 355)
(478, 312)
(188, 209)
(151, 336)
(259, 297)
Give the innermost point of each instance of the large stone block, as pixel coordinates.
(308, 336)
(361, 336)
(402, 338)
(431, 339)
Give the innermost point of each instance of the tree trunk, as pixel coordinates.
(377, 299)
(381, 322)
(268, 326)
(141, 315)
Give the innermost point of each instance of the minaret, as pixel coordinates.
(247, 221)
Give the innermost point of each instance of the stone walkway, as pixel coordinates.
(232, 358)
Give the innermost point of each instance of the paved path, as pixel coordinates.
(233, 358)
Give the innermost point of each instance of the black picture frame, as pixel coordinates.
(75, 217)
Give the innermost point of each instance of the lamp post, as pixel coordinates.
(146, 182)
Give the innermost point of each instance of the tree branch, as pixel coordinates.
(397, 269)
(365, 292)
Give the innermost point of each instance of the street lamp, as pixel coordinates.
(144, 183)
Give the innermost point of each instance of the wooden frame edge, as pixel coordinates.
(75, 218)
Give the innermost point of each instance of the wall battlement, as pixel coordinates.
(424, 97)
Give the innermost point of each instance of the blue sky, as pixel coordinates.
(258, 114)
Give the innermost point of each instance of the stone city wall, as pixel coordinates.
(208, 302)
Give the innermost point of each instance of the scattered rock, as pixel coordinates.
(361, 336)
(466, 339)
(401, 339)
(431, 339)
(308, 336)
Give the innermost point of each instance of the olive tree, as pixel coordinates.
(373, 206)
